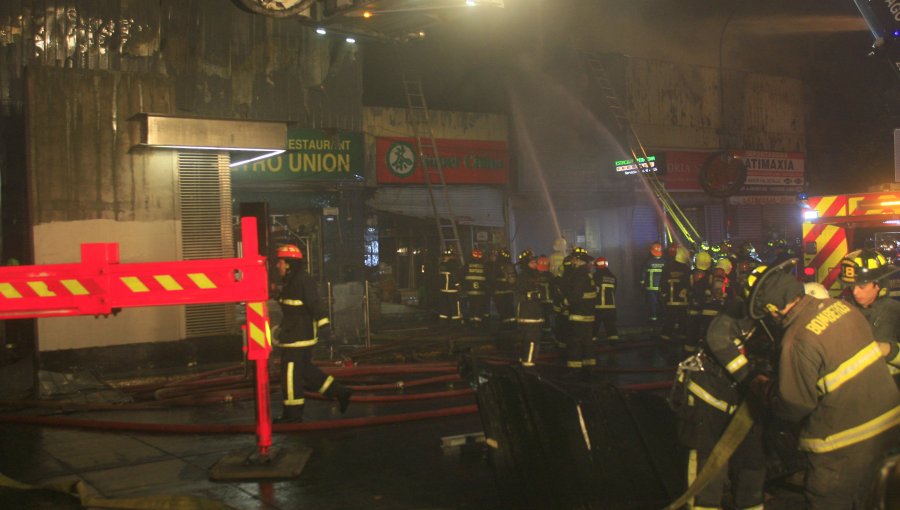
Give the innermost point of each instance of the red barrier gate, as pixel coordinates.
(100, 285)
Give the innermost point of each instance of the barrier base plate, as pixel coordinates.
(248, 464)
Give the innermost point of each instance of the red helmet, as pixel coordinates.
(289, 251)
(656, 250)
(601, 262)
(671, 250)
(477, 254)
(543, 263)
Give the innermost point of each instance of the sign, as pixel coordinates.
(683, 170)
(629, 167)
(311, 155)
(462, 161)
(771, 173)
(762, 199)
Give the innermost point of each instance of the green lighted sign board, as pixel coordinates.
(311, 155)
(629, 167)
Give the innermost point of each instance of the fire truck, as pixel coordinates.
(835, 225)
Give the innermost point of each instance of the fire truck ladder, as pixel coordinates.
(639, 154)
(427, 152)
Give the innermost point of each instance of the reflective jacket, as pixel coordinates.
(651, 272)
(605, 283)
(475, 279)
(675, 280)
(884, 317)
(580, 295)
(303, 311)
(831, 376)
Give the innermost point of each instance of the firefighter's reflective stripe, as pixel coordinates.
(736, 364)
(322, 322)
(754, 507)
(589, 295)
(709, 313)
(581, 318)
(291, 399)
(529, 361)
(589, 362)
(853, 435)
(691, 472)
(530, 321)
(291, 302)
(301, 343)
(326, 384)
(707, 397)
(849, 369)
(894, 363)
(650, 277)
(574, 364)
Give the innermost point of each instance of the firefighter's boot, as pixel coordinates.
(340, 393)
(291, 414)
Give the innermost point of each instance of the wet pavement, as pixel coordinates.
(395, 466)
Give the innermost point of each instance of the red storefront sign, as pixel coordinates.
(683, 170)
(462, 161)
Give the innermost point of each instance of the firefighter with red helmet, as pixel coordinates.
(529, 312)
(544, 280)
(650, 277)
(864, 272)
(579, 298)
(675, 281)
(475, 282)
(503, 280)
(833, 381)
(449, 272)
(304, 321)
(605, 308)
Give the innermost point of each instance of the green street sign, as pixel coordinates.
(311, 155)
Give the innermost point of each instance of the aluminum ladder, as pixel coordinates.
(432, 168)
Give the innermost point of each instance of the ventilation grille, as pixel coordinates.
(204, 191)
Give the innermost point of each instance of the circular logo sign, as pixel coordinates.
(401, 159)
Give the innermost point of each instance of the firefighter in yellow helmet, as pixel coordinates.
(674, 284)
(701, 280)
(304, 321)
(833, 381)
(529, 311)
(864, 272)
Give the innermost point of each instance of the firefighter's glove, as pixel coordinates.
(761, 390)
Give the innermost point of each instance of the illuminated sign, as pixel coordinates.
(629, 167)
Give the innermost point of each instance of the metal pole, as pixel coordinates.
(366, 315)
(331, 319)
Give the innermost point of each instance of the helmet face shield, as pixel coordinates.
(771, 289)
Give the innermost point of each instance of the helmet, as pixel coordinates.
(772, 288)
(682, 255)
(703, 261)
(724, 264)
(543, 263)
(477, 254)
(526, 256)
(752, 278)
(864, 266)
(449, 252)
(503, 254)
(578, 250)
(672, 249)
(816, 290)
(288, 251)
(726, 245)
(656, 250)
(601, 262)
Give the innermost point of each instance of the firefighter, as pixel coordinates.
(605, 309)
(675, 281)
(560, 308)
(449, 271)
(503, 278)
(650, 276)
(544, 280)
(556, 258)
(304, 321)
(476, 286)
(701, 279)
(864, 271)
(711, 386)
(830, 379)
(529, 312)
(579, 297)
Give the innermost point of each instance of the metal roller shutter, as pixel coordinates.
(472, 205)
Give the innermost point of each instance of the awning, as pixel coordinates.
(472, 205)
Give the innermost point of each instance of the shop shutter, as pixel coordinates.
(472, 205)
(204, 192)
(715, 224)
(747, 223)
(783, 219)
(644, 225)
